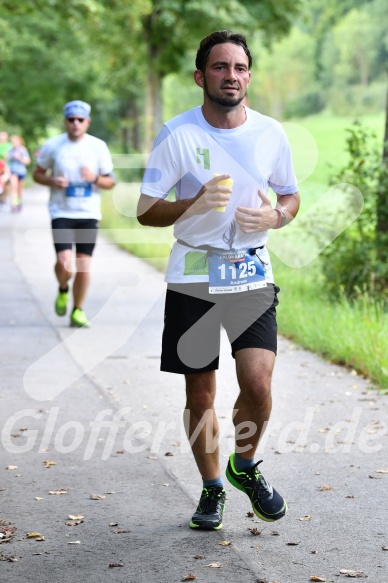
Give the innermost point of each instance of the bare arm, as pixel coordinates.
(41, 176)
(157, 212)
(265, 217)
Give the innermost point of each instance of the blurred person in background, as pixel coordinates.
(18, 160)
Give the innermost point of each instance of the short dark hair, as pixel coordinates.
(217, 38)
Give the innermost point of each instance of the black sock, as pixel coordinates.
(64, 290)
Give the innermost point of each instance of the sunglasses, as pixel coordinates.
(72, 119)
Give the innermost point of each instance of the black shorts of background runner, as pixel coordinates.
(193, 319)
(81, 232)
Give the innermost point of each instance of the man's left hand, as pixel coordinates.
(257, 219)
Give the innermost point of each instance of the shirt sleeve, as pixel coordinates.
(283, 179)
(162, 172)
(105, 162)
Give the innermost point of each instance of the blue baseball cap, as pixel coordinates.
(77, 108)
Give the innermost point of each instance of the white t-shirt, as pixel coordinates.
(66, 158)
(186, 154)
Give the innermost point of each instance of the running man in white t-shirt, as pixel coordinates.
(219, 271)
(75, 165)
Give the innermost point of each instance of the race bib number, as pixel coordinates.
(79, 189)
(234, 271)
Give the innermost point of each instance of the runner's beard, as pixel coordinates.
(223, 101)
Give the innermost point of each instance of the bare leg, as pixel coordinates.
(254, 368)
(82, 279)
(201, 422)
(63, 269)
(14, 182)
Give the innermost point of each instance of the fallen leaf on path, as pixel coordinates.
(7, 558)
(382, 471)
(169, 453)
(76, 516)
(250, 514)
(189, 577)
(73, 522)
(254, 531)
(352, 573)
(375, 477)
(97, 497)
(305, 517)
(6, 531)
(33, 535)
(199, 556)
(324, 488)
(11, 468)
(315, 578)
(48, 464)
(225, 543)
(38, 498)
(58, 492)
(385, 548)
(121, 531)
(116, 565)
(293, 544)
(74, 542)
(113, 524)
(275, 533)
(214, 565)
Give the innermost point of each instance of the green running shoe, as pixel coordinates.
(208, 515)
(61, 302)
(267, 504)
(78, 319)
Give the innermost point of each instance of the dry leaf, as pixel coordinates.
(382, 471)
(113, 524)
(33, 535)
(324, 488)
(225, 543)
(254, 531)
(38, 498)
(74, 542)
(352, 573)
(199, 556)
(76, 516)
(116, 565)
(58, 492)
(74, 522)
(11, 468)
(189, 577)
(121, 531)
(40, 539)
(215, 565)
(375, 477)
(305, 517)
(315, 578)
(293, 544)
(169, 453)
(97, 497)
(275, 533)
(48, 464)
(250, 514)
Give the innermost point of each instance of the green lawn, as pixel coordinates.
(351, 334)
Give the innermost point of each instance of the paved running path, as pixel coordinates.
(94, 402)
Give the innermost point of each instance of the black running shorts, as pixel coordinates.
(193, 319)
(81, 232)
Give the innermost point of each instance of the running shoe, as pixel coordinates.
(61, 302)
(267, 504)
(78, 319)
(208, 515)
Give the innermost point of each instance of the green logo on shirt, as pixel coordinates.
(206, 157)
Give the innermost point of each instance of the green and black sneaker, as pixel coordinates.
(267, 504)
(210, 509)
(61, 302)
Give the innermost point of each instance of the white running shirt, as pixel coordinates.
(186, 154)
(66, 158)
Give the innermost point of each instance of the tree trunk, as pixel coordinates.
(382, 207)
(154, 115)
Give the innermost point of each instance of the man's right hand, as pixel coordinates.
(211, 196)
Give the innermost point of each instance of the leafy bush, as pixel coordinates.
(351, 264)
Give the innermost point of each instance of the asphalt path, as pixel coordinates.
(95, 464)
